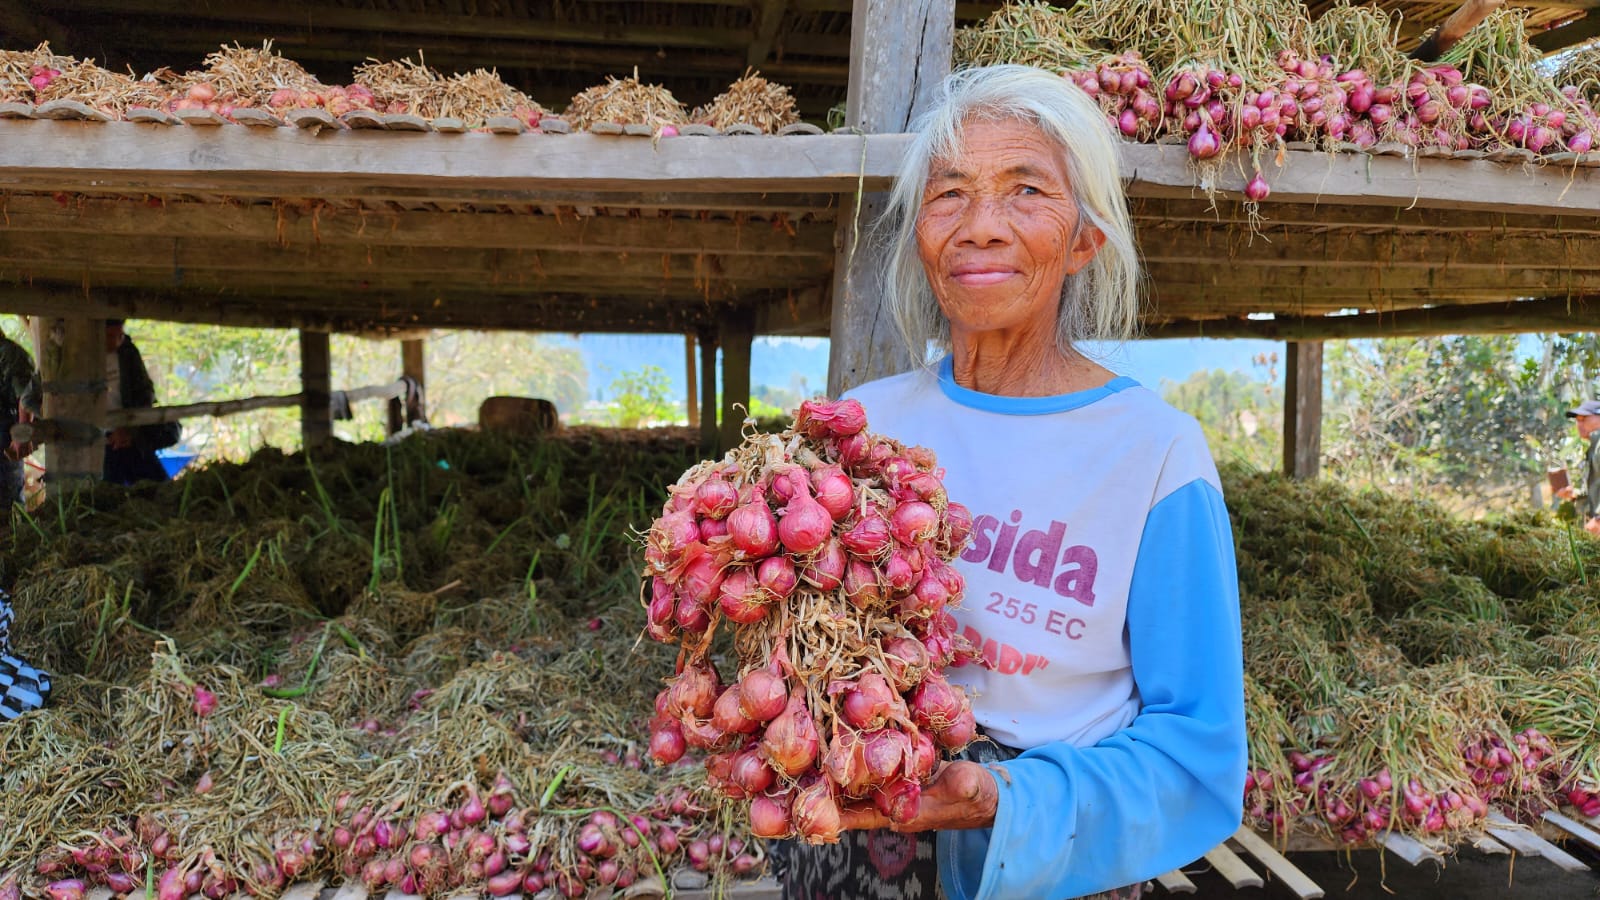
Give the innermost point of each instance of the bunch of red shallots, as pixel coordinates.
(827, 551)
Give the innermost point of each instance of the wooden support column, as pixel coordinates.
(1302, 409)
(736, 333)
(708, 391)
(899, 52)
(72, 365)
(316, 418)
(413, 366)
(691, 400)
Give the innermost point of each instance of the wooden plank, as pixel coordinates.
(1176, 882)
(1150, 212)
(1277, 864)
(1407, 848)
(353, 889)
(1231, 867)
(1163, 170)
(899, 54)
(1485, 844)
(72, 365)
(304, 890)
(289, 225)
(1575, 828)
(1525, 841)
(691, 399)
(278, 162)
(1526, 316)
(1568, 35)
(316, 421)
(155, 414)
(1457, 251)
(1302, 419)
(735, 333)
(708, 389)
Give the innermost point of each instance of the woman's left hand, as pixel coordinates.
(961, 795)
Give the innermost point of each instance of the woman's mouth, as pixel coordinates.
(979, 276)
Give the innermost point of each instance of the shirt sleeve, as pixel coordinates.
(1167, 788)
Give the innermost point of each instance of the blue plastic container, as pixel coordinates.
(174, 460)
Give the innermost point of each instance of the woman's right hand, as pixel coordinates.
(1566, 493)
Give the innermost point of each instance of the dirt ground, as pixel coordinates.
(1469, 876)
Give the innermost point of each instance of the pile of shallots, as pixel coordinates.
(826, 550)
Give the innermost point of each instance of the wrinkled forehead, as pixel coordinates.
(949, 146)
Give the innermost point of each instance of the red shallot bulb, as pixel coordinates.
(205, 702)
(742, 598)
(762, 694)
(825, 571)
(843, 763)
(914, 522)
(887, 752)
(753, 528)
(816, 813)
(834, 491)
(790, 742)
(899, 799)
(715, 498)
(693, 692)
(769, 816)
(805, 525)
(727, 715)
(861, 584)
(821, 419)
(869, 537)
(1258, 189)
(702, 576)
(751, 772)
(1203, 144)
(869, 701)
(935, 703)
(777, 576)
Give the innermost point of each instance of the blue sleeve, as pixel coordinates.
(1167, 788)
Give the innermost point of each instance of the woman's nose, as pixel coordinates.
(983, 223)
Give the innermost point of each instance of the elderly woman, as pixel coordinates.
(1101, 586)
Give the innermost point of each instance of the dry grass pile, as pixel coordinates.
(626, 101)
(752, 100)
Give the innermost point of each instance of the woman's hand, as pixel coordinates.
(961, 795)
(1566, 493)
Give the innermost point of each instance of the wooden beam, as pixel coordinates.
(769, 15)
(1523, 317)
(316, 419)
(155, 415)
(1361, 179)
(46, 155)
(736, 332)
(24, 26)
(1228, 279)
(709, 433)
(1152, 211)
(72, 367)
(899, 54)
(413, 365)
(1568, 35)
(290, 17)
(1343, 250)
(1302, 409)
(124, 157)
(378, 265)
(691, 396)
(312, 224)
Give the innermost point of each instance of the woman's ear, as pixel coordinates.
(1085, 244)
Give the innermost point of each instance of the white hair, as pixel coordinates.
(1100, 302)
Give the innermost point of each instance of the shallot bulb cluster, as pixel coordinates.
(1523, 772)
(483, 842)
(1314, 100)
(782, 541)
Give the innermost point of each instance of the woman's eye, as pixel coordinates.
(950, 194)
(1030, 189)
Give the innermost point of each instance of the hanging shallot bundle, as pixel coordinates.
(827, 550)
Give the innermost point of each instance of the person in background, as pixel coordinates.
(1587, 415)
(131, 452)
(19, 402)
(1452, 30)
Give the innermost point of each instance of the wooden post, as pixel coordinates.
(413, 366)
(899, 52)
(316, 419)
(1302, 409)
(737, 332)
(708, 391)
(690, 400)
(72, 365)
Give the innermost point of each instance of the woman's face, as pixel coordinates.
(996, 230)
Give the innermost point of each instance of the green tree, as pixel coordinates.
(643, 397)
(1242, 416)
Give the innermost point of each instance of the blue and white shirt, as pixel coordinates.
(1102, 589)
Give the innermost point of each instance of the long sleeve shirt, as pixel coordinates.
(19, 380)
(1102, 589)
